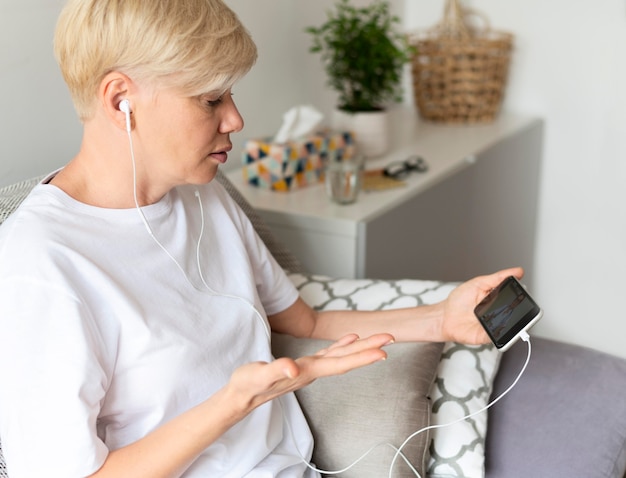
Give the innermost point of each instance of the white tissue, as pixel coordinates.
(299, 121)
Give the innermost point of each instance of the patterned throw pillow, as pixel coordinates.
(464, 384)
(3, 470)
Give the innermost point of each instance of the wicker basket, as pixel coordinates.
(460, 72)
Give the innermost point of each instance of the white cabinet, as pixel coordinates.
(472, 212)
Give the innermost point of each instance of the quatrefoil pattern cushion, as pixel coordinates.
(463, 386)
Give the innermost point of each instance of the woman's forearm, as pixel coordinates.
(415, 324)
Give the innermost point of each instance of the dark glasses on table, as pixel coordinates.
(401, 169)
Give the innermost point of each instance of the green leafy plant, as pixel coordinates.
(363, 55)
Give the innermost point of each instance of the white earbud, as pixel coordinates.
(125, 108)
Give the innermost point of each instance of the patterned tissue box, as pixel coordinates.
(294, 164)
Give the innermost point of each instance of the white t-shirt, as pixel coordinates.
(103, 338)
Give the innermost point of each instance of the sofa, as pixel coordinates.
(565, 416)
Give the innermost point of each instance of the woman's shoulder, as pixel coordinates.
(40, 226)
(26, 220)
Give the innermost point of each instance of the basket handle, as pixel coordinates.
(455, 24)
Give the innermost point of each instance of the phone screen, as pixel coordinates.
(506, 311)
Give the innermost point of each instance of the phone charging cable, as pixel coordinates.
(526, 338)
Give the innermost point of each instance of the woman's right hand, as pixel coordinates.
(255, 383)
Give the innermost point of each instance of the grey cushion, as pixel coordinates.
(565, 418)
(384, 402)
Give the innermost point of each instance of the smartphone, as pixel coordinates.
(506, 312)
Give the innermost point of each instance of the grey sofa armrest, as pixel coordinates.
(566, 417)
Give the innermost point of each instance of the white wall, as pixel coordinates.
(569, 67)
(286, 74)
(38, 127)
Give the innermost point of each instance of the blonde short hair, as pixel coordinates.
(198, 46)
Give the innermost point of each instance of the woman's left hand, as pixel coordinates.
(459, 324)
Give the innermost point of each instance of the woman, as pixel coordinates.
(136, 299)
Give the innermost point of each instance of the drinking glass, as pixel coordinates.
(343, 179)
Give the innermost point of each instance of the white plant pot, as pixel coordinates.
(371, 130)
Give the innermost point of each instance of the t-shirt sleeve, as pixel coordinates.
(275, 290)
(53, 383)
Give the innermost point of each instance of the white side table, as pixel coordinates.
(472, 212)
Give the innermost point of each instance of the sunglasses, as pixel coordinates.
(401, 169)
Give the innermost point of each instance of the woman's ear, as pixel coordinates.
(113, 95)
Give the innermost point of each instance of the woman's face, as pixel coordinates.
(180, 139)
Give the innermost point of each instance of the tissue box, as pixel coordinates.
(294, 164)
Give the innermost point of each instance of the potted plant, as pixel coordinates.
(363, 55)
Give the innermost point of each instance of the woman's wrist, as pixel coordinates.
(433, 322)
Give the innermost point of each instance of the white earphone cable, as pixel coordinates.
(151, 232)
(221, 294)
